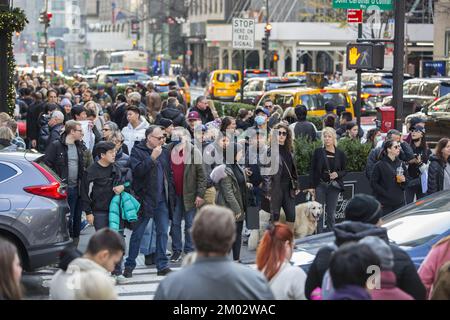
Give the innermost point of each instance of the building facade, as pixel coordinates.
(306, 35)
(442, 32)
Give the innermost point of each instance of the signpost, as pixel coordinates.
(243, 39)
(363, 4)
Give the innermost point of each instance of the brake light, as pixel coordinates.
(378, 85)
(323, 91)
(365, 95)
(436, 99)
(51, 190)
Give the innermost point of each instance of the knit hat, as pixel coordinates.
(363, 208)
(193, 115)
(165, 123)
(381, 249)
(66, 102)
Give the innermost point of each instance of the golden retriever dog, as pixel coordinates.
(306, 216)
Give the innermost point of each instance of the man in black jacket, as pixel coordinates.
(203, 109)
(33, 120)
(154, 188)
(304, 128)
(68, 157)
(55, 125)
(363, 215)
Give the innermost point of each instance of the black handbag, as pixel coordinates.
(331, 183)
(294, 183)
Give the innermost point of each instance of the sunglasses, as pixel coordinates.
(282, 133)
(396, 147)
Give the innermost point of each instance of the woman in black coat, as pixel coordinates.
(439, 169)
(281, 187)
(417, 165)
(328, 168)
(389, 178)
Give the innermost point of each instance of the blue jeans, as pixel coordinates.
(161, 220)
(175, 230)
(148, 242)
(74, 201)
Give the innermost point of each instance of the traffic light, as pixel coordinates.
(45, 18)
(267, 30)
(276, 57)
(264, 44)
(365, 56)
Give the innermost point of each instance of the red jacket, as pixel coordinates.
(389, 289)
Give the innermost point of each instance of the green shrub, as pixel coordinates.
(317, 121)
(231, 109)
(303, 151)
(356, 152)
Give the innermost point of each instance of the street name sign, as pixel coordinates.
(364, 4)
(243, 34)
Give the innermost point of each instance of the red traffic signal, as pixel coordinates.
(49, 16)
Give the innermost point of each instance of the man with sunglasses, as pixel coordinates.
(154, 188)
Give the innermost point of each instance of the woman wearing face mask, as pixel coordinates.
(281, 187)
(286, 281)
(328, 168)
(417, 165)
(389, 178)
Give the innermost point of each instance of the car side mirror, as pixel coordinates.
(424, 110)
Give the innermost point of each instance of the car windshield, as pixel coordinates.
(272, 85)
(419, 222)
(124, 78)
(228, 77)
(373, 89)
(445, 89)
(430, 89)
(162, 87)
(317, 101)
(250, 75)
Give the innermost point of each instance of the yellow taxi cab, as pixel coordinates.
(162, 85)
(224, 84)
(313, 98)
(295, 74)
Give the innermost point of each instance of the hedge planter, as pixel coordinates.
(354, 183)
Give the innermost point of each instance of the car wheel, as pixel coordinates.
(23, 256)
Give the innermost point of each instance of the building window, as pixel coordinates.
(196, 6)
(206, 6)
(215, 6)
(210, 6)
(221, 6)
(201, 6)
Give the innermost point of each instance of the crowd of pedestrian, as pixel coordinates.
(134, 161)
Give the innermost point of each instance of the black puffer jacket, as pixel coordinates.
(435, 175)
(407, 277)
(173, 114)
(384, 184)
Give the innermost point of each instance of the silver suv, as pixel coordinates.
(33, 209)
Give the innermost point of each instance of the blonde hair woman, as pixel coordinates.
(327, 172)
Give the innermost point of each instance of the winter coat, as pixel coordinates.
(319, 169)
(33, 120)
(122, 159)
(429, 270)
(436, 175)
(205, 115)
(375, 155)
(388, 288)
(304, 129)
(145, 170)
(123, 207)
(57, 159)
(132, 135)
(350, 292)
(44, 136)
(173, 114)
(97, 189)
(384, 184)
(55, 133)
(407, 278)
(194, 180)
(229, 194)
(63, 281)
(272, 183)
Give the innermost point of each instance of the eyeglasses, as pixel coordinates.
(106, 129)
(78, 130)
(159, 138)
(282, 133)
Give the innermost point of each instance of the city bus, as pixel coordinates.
(130, 60)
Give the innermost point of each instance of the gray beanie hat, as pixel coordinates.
(381, 249)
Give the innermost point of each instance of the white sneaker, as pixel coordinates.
(120, 279)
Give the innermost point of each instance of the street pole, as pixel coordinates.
(268, 44)
(399, 51)
(358, 83)
(4, 72)
(54, 56)
(44, 58)
(242, 76)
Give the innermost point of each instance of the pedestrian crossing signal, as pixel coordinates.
(365, 56)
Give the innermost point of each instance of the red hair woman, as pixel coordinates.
(272, 259)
